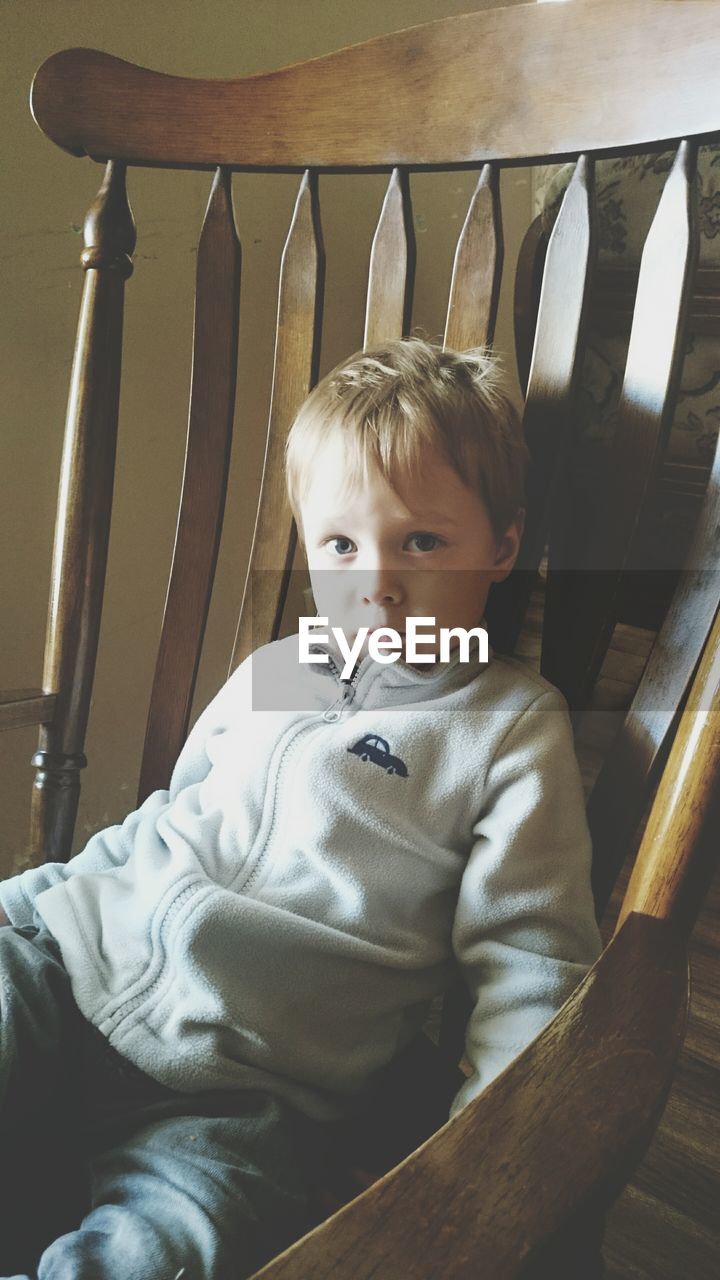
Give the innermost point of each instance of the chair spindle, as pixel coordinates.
(202, 502)
(477, 268)
(617, 801)
(647, 401)
(83, 516)
(555, 367)
(295, 370)
(392, 266)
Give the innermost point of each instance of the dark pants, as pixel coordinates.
(109, 1174)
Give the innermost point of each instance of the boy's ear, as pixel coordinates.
(508, 547)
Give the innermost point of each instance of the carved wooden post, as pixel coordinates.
(83, 517)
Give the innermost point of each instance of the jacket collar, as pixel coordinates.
(378, 684)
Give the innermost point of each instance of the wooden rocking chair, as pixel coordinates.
(510, 1185)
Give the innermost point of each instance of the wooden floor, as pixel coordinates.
(666, 1225)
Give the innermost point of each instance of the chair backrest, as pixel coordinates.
(481, 92)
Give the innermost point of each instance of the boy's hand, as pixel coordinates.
(3, 917)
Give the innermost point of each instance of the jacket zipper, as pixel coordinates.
(332, 713)
(335, 710)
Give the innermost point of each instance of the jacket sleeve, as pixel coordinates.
(112, 846)
(524, 932)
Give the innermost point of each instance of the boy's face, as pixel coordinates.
(377, 557)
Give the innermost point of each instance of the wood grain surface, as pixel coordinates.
(202, 502)
(477, 268)
(83, 515)
(477, 87)
(644, 417)
(622, 1028)
(632, 761)
(20, 707)
(392, 266)
(680, 847)
(295, 370)
(552, 382)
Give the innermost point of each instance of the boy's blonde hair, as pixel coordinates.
(392, 402)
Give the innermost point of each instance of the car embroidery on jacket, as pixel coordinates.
(372, 747)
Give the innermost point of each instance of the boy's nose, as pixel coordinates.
(380, 587)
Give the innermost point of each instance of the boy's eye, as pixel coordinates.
(341, 538)
(424, 537)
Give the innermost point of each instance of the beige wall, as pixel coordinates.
(45, 196)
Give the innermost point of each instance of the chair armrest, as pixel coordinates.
(566, 1121)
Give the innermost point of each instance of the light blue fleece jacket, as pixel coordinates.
(283, 916)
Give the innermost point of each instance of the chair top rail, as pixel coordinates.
(518, 85)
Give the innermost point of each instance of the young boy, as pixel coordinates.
(226, 970)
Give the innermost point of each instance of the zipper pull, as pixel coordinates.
(335, 710)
